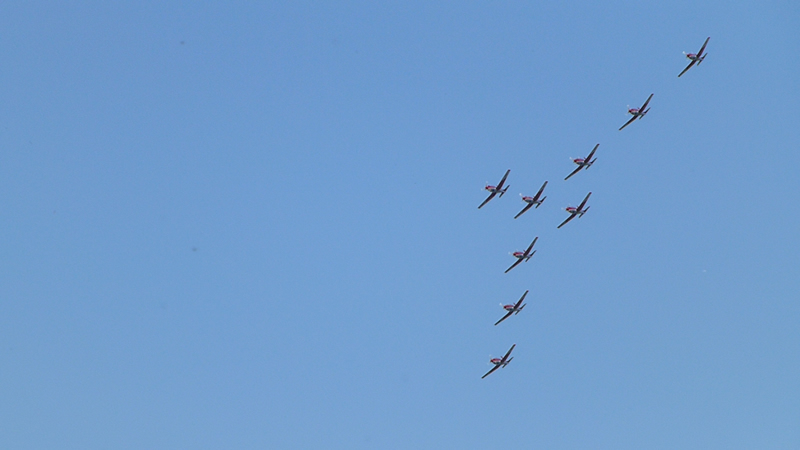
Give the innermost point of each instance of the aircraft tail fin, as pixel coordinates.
(540, 201)
(584, 211)
(504, 190)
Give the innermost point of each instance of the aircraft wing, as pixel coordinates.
(644, 107)
(508, 353)
(491, 196)
(578, 169)
(687, 68)
(628, 122)
(527, 207)
(500, 184)
(504, 318)
(541, 189)
(580, 208)
(497, 366)
(519, 260)
(528, 251)
(589, 158)
(700, 53)
(572, 216)
(520, 300)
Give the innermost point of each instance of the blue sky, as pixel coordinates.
(255, 225)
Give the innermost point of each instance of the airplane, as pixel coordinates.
(532, 200)
(583, 163)
(523, 256)
(695, 57)
(637, 113)
(496, 189)
(513, 309)
(500, 362)
(579, 211)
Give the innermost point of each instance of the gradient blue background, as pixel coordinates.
(254, 225)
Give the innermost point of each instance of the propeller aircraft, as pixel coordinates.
(583, 163)
(523, 256)
(695, 57)
(532, 200)
(496, 189)
(500, 362)
(637, 113)
(513, 308)
(579, 211)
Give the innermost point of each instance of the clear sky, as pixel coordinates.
(255, 225)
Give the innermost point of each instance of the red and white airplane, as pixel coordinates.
(523, 256)
(513, 309)
(532, 200)
(496, 189)
(637, 113)
(500, 362)
(695, 57)
(583, 163)
(579, 211)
